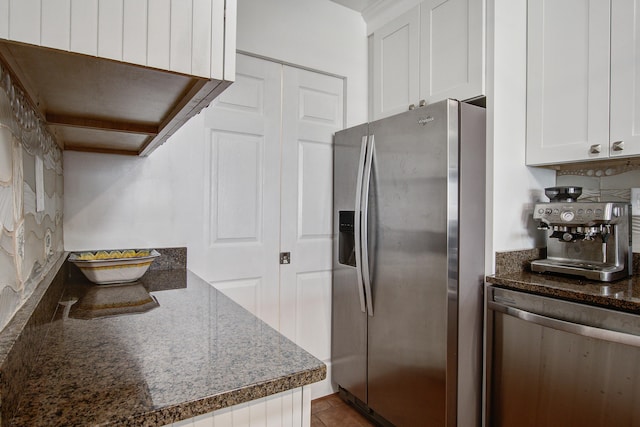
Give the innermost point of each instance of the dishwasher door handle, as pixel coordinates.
(565, 326)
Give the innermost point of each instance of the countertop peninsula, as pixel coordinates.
(181, 350)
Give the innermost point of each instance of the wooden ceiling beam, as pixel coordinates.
(102, 150)
(99, 124)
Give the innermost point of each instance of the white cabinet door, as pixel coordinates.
(242, 189)
(625, 78)
(452, 55)
(567, 80)
(433, 52)
(312, 113)
(395, 70)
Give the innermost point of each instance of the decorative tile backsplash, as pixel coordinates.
(31, 187)
(608, 183)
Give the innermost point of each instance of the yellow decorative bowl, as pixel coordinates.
(104, 267)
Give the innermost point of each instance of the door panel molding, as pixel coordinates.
(236, 197)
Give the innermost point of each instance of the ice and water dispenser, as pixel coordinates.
(346, 239)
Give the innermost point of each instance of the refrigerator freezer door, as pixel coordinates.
(349, 322)
(413, 224)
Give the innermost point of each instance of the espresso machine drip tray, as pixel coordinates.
(601, 272)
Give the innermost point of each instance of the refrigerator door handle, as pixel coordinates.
(365, 226)
(356, 225)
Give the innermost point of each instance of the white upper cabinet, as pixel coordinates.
(583, 80)
(452, 49)
(396, 65)
(432, 52)
(567, 80)
(625, 78)
(185, 36)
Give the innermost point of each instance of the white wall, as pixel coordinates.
(512, 186)
(113, 201)
(318, 34)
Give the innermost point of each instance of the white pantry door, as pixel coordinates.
(242, 188)
(312, 112)
(269, 157)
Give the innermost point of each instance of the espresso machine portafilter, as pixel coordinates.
(588, 239)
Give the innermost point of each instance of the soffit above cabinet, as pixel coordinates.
(100, 105)
(377, 13)
(357, 5)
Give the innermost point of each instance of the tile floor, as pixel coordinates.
(331, 411)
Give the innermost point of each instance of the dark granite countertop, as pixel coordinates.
(173, 348)
(622, 294)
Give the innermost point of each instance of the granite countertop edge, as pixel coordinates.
(622, 294)
(174, 413)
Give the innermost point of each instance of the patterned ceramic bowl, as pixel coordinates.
(103, 267)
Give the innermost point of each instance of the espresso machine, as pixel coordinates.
(588, 239)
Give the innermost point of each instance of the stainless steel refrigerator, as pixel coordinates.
(408, 265)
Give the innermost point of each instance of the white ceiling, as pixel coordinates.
(357, 5)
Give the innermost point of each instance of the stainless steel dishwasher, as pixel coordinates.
(557, 363)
